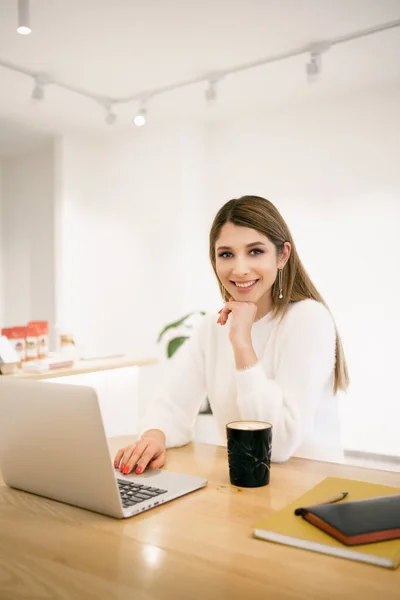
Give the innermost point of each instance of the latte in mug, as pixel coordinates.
(249, 425)
(249, 452)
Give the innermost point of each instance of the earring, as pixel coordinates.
(280, 284)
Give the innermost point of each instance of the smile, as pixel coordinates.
(245, 285)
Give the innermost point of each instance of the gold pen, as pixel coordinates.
(335, 498)
(332, 500)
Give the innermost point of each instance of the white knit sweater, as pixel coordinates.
(290, 387)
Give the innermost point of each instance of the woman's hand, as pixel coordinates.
(241, 319)
(148, 451)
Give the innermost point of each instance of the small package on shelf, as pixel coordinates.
(32, 342)
(17, 338)
(9, 358)
(42, 330)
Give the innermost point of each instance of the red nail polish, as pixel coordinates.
(115, 464)
(139, 470)
(126, 470)
(122, 467)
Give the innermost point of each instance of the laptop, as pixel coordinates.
(53, 444)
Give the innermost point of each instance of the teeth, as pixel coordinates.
(245, 285)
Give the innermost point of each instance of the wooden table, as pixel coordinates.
(198, 546)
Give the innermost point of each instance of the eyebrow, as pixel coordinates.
(247, 246)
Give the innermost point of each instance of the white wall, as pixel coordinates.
(132, 227)
(333, 171)
(28, 237)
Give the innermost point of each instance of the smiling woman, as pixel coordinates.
(248, 269)
(256, 228)
(273, 354)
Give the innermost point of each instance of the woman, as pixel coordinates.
(272, 355)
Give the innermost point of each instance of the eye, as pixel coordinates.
(225, 255)
(256, 251)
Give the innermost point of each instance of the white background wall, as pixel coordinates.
(133, 250)
(28, 236)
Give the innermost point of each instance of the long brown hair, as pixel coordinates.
(260, 214)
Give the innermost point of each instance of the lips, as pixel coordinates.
(245, 285)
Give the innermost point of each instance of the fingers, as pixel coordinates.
(233, 306)
(123, 456)
(229, 306)
(133, 460)
(144, 460)
(224, 312)
(118, 457)
(138, 456)
(127, 457)
(158, 462)
(223, 317)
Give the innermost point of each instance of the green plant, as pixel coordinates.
(176, 342)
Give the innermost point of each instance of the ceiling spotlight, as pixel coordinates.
(313, 67)
(140, 118)
(211, 91)
(39, 87)
(110, 118)
(38, 92)
(23, 17)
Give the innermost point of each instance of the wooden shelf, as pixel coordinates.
(86, 366)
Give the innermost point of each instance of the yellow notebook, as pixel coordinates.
(285, 527)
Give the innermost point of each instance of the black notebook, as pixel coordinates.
(359, 521)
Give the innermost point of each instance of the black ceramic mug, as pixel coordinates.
(249, 452)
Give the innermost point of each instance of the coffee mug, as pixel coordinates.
(249, 452)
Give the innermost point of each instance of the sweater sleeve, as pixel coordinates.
(305, 367)
(175, 409)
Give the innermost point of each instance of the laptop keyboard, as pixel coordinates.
(134, 493)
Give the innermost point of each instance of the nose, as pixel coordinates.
(240, 267)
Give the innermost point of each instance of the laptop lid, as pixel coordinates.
(53, 443)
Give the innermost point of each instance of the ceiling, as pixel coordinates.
(118, 48)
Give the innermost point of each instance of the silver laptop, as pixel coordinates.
(52, 443)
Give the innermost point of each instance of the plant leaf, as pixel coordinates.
(175, 343)
(176, 324)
